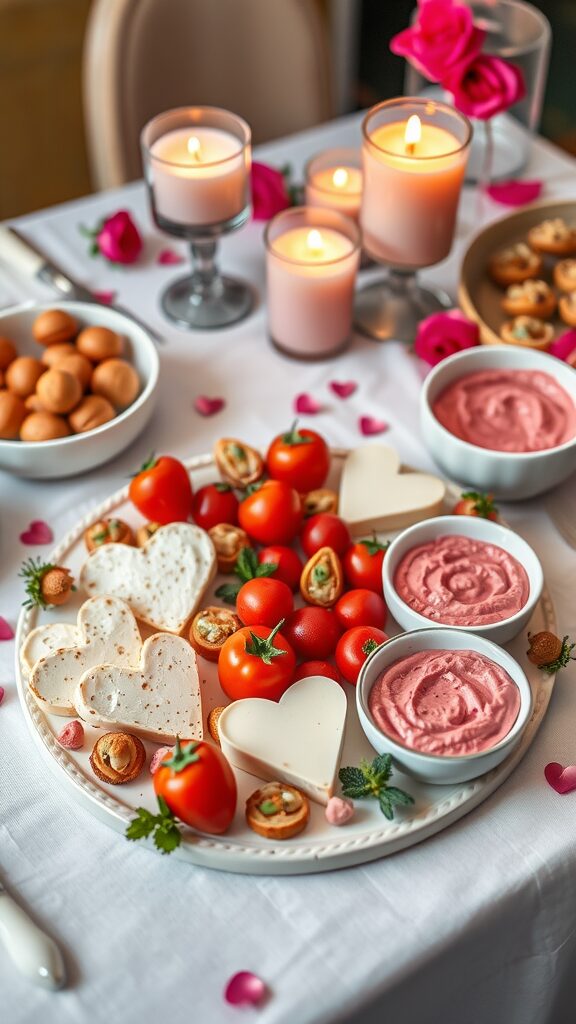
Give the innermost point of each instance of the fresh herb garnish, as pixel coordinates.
(33, 570)
(162, 827)
(247, 568)
(370, 781)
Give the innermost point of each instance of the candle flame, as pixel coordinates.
(194, 146)
(413, 132)
(340, 177)
(314, 241)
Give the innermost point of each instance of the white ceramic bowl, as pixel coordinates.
(478, 529)
(434, 767)
(67, 456)
(510, 475)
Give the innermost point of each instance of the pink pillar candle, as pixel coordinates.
(334, 181)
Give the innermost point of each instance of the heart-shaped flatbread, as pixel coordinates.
(44, 640)
(375, 495)
(158, 701)
(298, 740)
(163, 582)
(108, 633)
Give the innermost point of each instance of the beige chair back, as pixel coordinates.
(267, 60)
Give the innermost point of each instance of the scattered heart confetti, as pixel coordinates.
(307, 405)
(343, 388)
(106, 298)
(563, 780)
(6, 631)
(169, 258)
(2, 692)
(38, 532)
(369, 425)
(515, 193)
(245, 989)
(208, 406)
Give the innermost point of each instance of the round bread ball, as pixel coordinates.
(58, 390)
(43, 426)
(93, 411)
(7, 352)
(98, 343)
(23, 374)
(117, 381)
(54, 354)
(33, 403)
(79, 367)
(12, 415)
(54, 326)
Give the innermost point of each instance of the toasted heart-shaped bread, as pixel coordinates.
(375, 495)
(44, 640)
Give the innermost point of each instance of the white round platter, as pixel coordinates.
(321, 847)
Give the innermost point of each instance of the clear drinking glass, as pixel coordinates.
(197, 168)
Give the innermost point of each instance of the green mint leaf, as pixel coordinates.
(266, 569)
(398, 796)
(167, 836)
(228, 592)
(382, 766)
(268, 807)
(357, 792)
(386, 805)
(142, 825)
(246, 564)
(352, 777)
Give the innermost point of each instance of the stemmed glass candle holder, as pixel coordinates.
(197, 167)
(414, 156)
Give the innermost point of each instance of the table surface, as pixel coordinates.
(473, 925)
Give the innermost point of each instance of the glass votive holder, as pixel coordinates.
(312, 257)
(333, 180)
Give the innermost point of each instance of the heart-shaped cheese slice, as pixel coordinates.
(109, 634)
(46, 639)
(298, 740)
(163, 582)
(375, 495)
(158, 701)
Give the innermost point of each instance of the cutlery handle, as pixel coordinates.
(34, 953)
(15, 252)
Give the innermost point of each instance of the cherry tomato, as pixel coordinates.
(362, 564)
(353, 648)
(300, 457)
(271, 514)
(316, 668)
(475, 503)
(256, 662)
(360, 608)
(324, 530)
(289, 564)
(312, 632)
(214, 504)
(162, 491)
(198, 785)
(264, 601)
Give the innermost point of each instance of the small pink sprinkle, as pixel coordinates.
(208, 406)
(369, 425)
(6, 631)
(307, 405)
(72, 736)
(343, 388)
(2, 692)
(106, 298)
(245, 989)
(169, 258)
(157, 757)
(38, 532)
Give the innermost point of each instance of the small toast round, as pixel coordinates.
(108, 531)
(528, 332)
(514, 265)
(210, 628)
(117, 757)
(555, 237)
(565, 275)
(567, 307)
(530, 298)
(277, 811)
(320, 500)
(228, 541)
(213, 719)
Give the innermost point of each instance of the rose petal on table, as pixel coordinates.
(245, 989)
(564, 345)
(370, 425)
(515, 193)
(157, 758)
(38, 532)
(563, 780)
(343, 388)
(169, 258)
(2, 692)
(208, 406)
(6, 631)
(106, 298)
(307, 405)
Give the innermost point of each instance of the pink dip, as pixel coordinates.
(507, 410)
(458, 581)
(447, 703)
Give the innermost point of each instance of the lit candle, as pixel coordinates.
(334, 181)
(311, 264)
(413, 175)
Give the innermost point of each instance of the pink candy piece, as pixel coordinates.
(6, 631)
(106, 298)
(2, 692)
(208, 406)
(563, 780)
(339, 810)
(369, 425)
(157, 757)
(307, 405)
(72, 736)
(38, 532)
(343, 388)
(245, 989)
(515, 193)
(169, 258)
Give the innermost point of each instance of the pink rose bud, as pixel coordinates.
(269, 192)
(442, 36)
(72, 736)
(118, 239)
(157, 757)
(443, 334)
(339, 810)
(485, 86)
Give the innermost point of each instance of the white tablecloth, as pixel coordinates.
(476, 925)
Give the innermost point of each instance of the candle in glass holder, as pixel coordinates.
(334, 181)
(311, 265)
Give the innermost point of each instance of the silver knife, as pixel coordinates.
(21, 256)
(34, 953)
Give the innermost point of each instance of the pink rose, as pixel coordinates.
(485, 86)
(443, 36)
(118, 239)
(443, 334)
(565, 347)
(269, 192)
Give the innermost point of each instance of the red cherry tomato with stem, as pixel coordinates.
(198, 786)
(300, 457)
(214, 504)
(272, 513)
(162, 491)
(362, 564)
(288, 565)
(316, 668)
(313, 632)
(475, 503)
(353, 648)
(324, 530)
(256, 661)
(360, 608)
(263, 601)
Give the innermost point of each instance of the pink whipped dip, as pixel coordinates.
(447, 703)
(507, 410)
(459, 581)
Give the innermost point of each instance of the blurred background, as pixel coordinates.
(44, 157)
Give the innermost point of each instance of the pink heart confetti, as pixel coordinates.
(208, 406)
(307, 405)
(245, 989)
(38, 532)
(515, 193)
(6, 631)
(369, 425)
(169, 258)
(563, 780)
(343, 388)
(106, 298)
